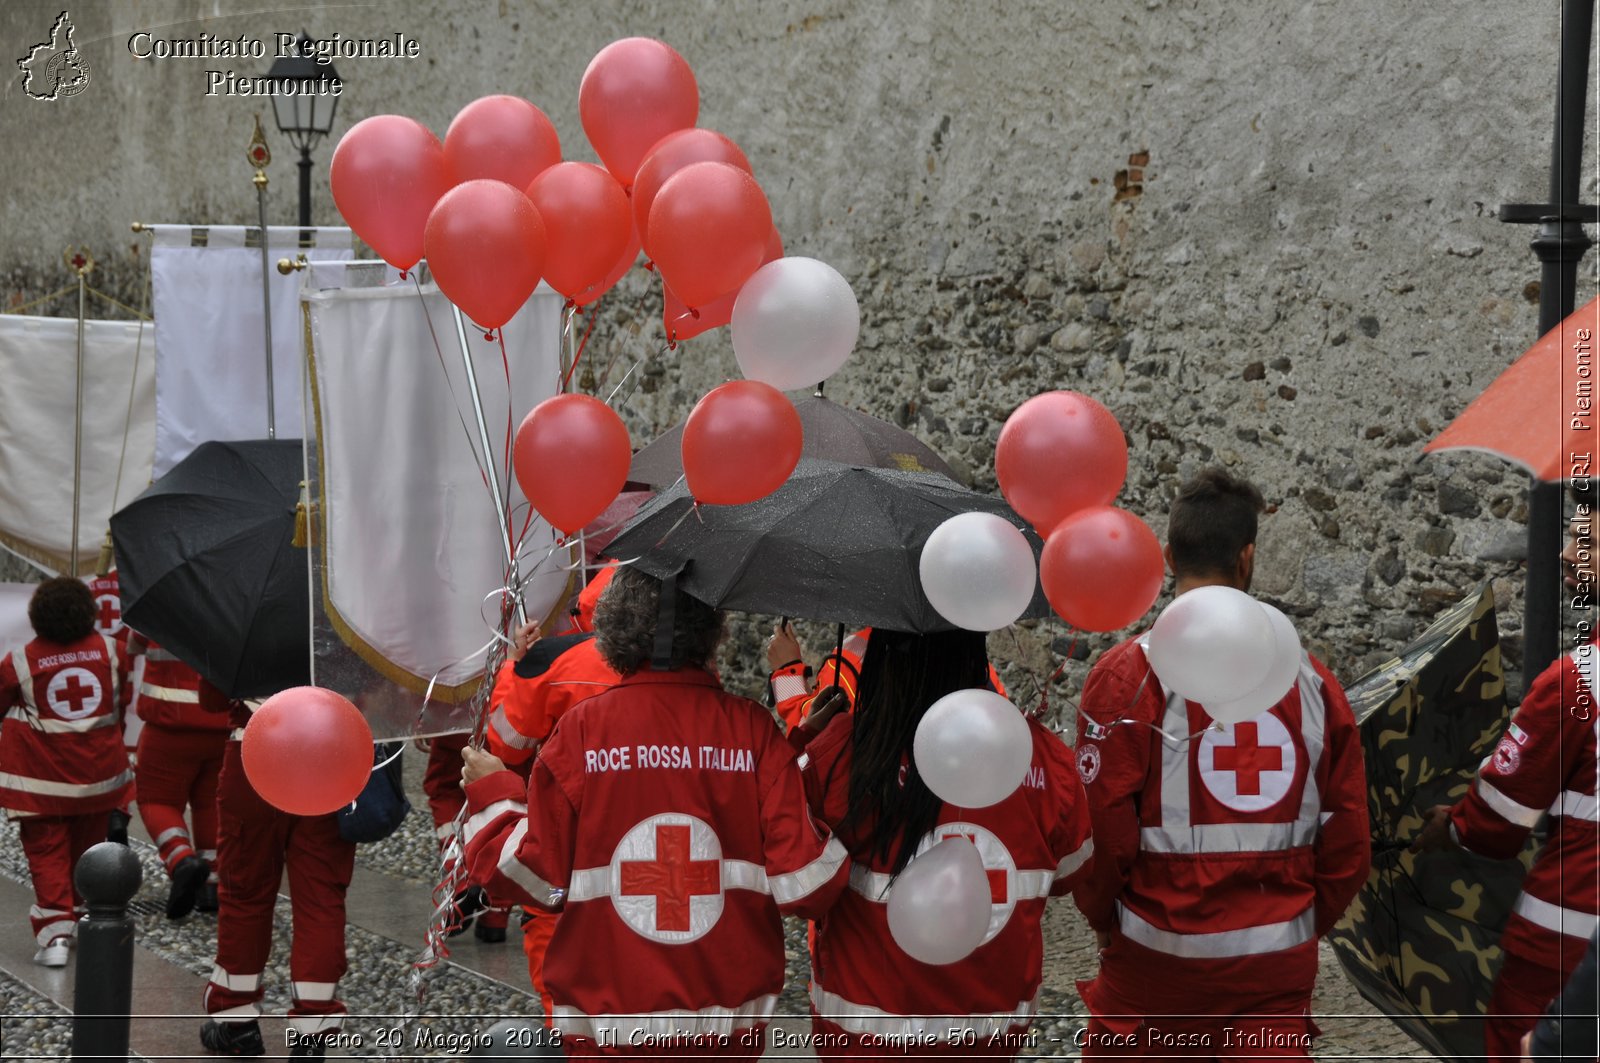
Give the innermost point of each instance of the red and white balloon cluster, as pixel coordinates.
(495, 209)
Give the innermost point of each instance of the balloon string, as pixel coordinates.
(505, 364)
(472, 444)
(610, 399)
(577, 357)
(1171, 739)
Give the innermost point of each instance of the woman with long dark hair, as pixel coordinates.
(868, 996)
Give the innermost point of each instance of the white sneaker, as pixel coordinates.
(53, 954)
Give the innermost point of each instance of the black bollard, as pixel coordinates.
(107, 876)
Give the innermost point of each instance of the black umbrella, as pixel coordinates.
(209, 570)
(832, 432)
(836, 542)
(1421, 939)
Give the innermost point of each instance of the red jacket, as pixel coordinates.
(667, 820)
(108, 606)
(1222, 857)
(168, 692)
(1035, 844)
(1546, 762)
(531, 695)
(60, 746)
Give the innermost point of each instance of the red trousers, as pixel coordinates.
(1147, 1005)
(179, 768)
(257, 843)
(441, 781)
(1522, 991)
(53, 845)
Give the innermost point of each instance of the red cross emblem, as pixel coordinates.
(673, 878)
(1247, 759)
(110, 614)
(1250, 766)
(73, 693)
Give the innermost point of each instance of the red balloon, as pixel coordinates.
(307, 751)
(486, 248)
(740, 443)
(501, 138)
(1101, 569)
(635, 91)
(673, 153)
(387, 173)
(1060, 452)
(571, 458)
(680, 324)
(586, 224)
(708, 230)
(619, 269)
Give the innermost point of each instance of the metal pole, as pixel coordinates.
(571, 360)
(488, 462)
(1560, 245)
(107, 876)
(266, 298)
(305, 195)
(77, 431)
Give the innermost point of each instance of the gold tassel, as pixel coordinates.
(302, 517)
(108, 557)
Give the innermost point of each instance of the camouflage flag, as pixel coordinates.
(1421, 940)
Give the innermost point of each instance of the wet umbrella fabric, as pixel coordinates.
(832, 433)
(1421, 939)
(836, 543)
(208, 567)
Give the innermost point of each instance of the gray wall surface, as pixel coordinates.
(1306, 282)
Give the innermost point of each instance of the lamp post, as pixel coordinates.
(303, 105)
(1560, 246)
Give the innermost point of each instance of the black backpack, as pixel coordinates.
(381, 806)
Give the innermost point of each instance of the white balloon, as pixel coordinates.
(978, 571)
(973, 748)
(795, 322)
(1281, 674)
(939, 905)
(1212, 644)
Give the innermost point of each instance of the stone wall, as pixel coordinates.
(1264, 235)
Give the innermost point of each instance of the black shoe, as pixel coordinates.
(117, 827)
(492, 935)
(207, 901)
(188, 879)
(470, 903)
(232, 1038)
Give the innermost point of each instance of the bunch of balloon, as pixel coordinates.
(1061, 459)
(307, 751)
(1218, 646)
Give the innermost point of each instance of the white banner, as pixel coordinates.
(38, 400)
(211, 366)
(408, 538)
(15, 631)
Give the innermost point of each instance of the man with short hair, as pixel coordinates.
(1221, 853)
(1545, 763)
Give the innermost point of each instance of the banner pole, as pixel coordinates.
(489, 467)
(81, 264)
(571, 360)
(259, 157)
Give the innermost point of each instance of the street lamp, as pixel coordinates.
(303, 103)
